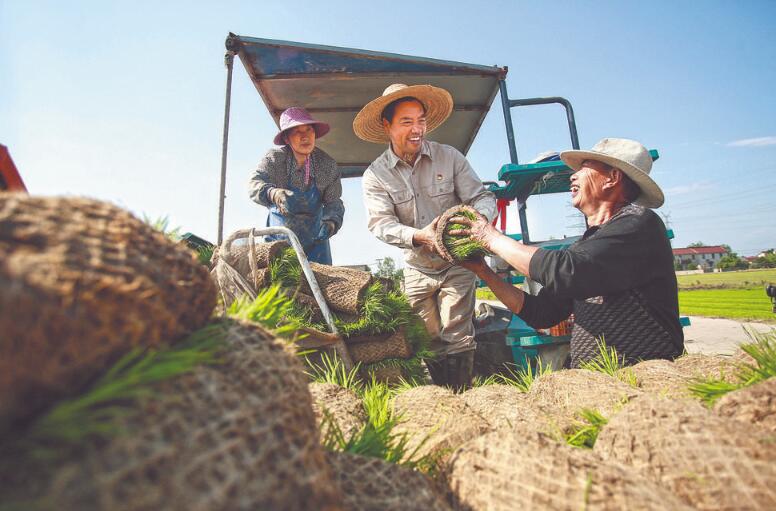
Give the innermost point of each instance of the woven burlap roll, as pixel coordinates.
(237, 434)
(438, 419)
(376, 348)
(371, 484)
(710, 462)
(439, 239)
(502, 405)
(81, 283)
(236, 254)
(342, 405)
(343, 288)
(659, 377)
(697, 365)
(751, 405)
(506, 470)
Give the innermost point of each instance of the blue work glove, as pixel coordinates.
(327, 229)
(280, 197)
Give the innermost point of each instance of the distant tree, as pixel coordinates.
(767, 260)
(696, 244)
(727, 248)
(386, 268)
(678, 266)
(731, 261)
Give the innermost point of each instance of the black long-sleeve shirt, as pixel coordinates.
(619, 282)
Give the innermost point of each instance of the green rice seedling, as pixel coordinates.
(97, 411)
(480, 381)
(462, 247)
(584, 434)
(524, 377)
(376, 398)
(330, 369)
(285, 269)
(407, 384)
(162, 224)
(270, 309)
(607, 361)
(762, 350)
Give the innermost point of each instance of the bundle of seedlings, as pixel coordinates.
(658, 377)
(503, 470)
(456, 247)
(82, 283)
(342, 405)
(755, 404)
(503, 405)
(709, 462)
(221, 421)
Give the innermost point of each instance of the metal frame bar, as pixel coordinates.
(229, 62)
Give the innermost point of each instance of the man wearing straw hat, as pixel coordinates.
(618, 280)
(405, 189)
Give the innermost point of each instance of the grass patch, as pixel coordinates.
(523, 377)
(330, 369)
(462, 247)
(270, 308)
(740, 304)
(583, 434)
(762, 350)
(608, 361)
(744, 279)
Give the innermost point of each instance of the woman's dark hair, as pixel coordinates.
(390, 110)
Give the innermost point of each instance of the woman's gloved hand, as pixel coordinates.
(280, 197)
(326, 231)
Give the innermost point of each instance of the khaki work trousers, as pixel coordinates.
(445, 301)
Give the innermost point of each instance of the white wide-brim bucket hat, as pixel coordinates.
(368, 124)
(627, 155)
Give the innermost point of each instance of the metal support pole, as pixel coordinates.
(554, 99)
(228, 61)
(502, 86)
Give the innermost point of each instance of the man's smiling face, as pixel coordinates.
(407, 128)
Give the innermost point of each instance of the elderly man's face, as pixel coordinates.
(587, 185)
(407, 128)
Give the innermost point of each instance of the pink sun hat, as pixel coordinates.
(298, 116)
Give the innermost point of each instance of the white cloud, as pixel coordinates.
(753, 142)
(688, 188)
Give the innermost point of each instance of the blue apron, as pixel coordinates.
(304, 219)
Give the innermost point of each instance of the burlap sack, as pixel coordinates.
(376, 348)
(371, 484)
(343, 406)
(81, 283)
(236, 435)
(503, 471)
(237, 254)
(708, 461)
(697, 365)
(751, 405)
(660, 377)
(560, 395)
(439, 418)
(502, 405)
(342, 288)
(439, 239)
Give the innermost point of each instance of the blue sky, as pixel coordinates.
(123, 101)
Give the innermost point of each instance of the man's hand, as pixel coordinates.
(478, 230)
(280, 197)
(425, 237)
(327, 229)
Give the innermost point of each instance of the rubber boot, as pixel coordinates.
(459, 370)
(437, 368)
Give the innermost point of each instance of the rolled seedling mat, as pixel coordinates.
(755, 404)
(659, 376)
(444, 242)
(342, 406)
(237, 254)
(709, 462)
(81, 283)
(698, 365)
(342, 288)
(504, 470)
(370, 349)
(502, 405)
(310, 304)
(374, 484)
(238, 433)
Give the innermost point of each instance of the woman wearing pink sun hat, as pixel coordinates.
(300, 184)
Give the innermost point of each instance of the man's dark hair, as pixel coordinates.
(390, 110)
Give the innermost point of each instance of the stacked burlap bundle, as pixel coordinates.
(81, 283)
(370, 349)
(502, 405)
(371, 484)
(697, 365)
(342, 405)
(236, 435)
(560, 395)
(660, 377)
(751, 405)
(710, 462)
(343, 288)
(444, 219)
(436, 418)
(506, 470)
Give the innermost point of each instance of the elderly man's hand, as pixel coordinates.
(479, 230)
(477, 266)
(425, 237)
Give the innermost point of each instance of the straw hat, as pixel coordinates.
(368, 124)
(297, 116)
(627, 155)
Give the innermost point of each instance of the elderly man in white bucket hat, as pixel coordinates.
(405, 189)
(618, 280)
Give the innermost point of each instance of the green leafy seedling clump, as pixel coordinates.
(462, 248)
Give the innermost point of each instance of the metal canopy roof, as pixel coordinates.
(335, 83)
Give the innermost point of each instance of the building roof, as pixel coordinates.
(714, 249)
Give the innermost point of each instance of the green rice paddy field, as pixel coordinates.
(735, 295)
